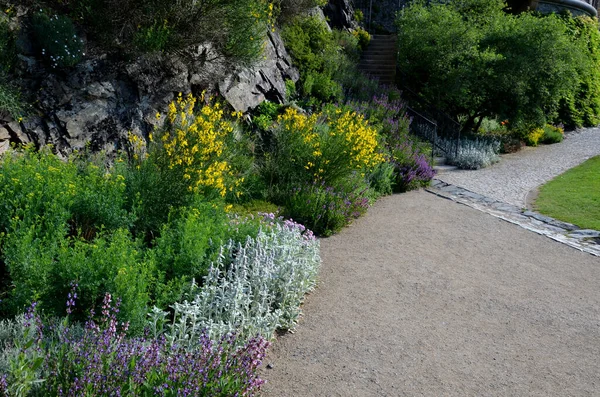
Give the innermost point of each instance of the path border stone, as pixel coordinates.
(585, 240)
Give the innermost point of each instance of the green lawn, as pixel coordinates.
(574, 196)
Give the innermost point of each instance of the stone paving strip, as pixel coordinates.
(519, 173)
(583, 239)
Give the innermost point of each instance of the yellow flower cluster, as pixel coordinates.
(138, 146)
(196, 143)
(343, 140)
(361, 138)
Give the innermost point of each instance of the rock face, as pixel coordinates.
(340, 14)
(100, 102)
(248, 87)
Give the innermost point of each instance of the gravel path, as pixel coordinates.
(517, 174)
(426, 297)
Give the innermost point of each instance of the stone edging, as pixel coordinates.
(566, 233)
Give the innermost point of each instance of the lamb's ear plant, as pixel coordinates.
(253, 288)
(473, 154)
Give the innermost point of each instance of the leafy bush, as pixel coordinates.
(10, 101)
(70, 221)
(581, 107)
(515, 67)
(533, 137)
(552, 134)
(324, 147)
(187, 245)
(411, 168)
(195, 147)
(253, 288)
(58, 359)
(363, 37)
(266, 113)
(327, 209)
(56, 40)
(237, 28)
(474, 154)
(156, 37)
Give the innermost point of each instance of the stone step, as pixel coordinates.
(378, 73)
(382, 66)
(384, 37)
(442, 169)
(378, 67)
(382, 44)
(378, 51)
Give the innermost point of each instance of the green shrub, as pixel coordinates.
(237, 28)
(111, 263)
(100, 202)
(515, 67)
(190, 241)
(581, 107)
(552, 134)
(266, 113)
(10, 101)
(359, 16)
(533, 136)
(56, 40)
(290, 89)
(318, 168)
(327, 209)
(321, 87)
(363, 37)
(153, 38)
(327, 61)
(383, 179)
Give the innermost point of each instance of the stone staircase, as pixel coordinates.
(379, 59)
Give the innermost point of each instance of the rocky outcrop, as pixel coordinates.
(248, 87)
(101, 101)
(340, 14)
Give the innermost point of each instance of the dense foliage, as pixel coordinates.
(9, 96)
(581, 107)
(327, 60)
(474, 60)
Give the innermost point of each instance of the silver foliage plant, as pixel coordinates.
(474, 154)
(254, 288)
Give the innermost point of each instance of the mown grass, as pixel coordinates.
(574, 196)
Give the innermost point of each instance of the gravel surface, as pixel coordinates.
(517, 174)
(424, 297)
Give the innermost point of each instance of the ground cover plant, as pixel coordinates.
(56, 359)
(573, 196)
(473, 154)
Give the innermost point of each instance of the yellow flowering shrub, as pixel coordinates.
(325, 146)
(533, 137)
(196, 144)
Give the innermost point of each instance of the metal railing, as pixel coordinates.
(447, 131)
